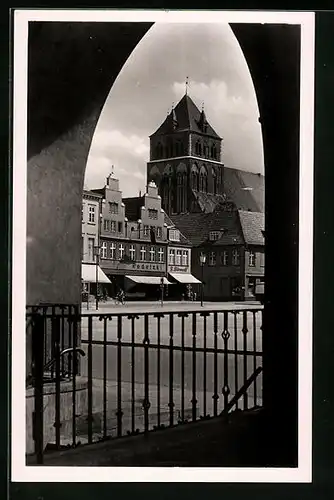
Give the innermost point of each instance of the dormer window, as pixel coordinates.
(214, 235)
(174, 235)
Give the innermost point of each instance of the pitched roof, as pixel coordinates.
(208, 202)
(252, 224)
(133, 206)
(188, 117)
(244, 189)
(197, 226)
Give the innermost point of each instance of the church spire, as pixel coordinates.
(187, 84)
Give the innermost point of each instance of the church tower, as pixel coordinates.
(185, 159)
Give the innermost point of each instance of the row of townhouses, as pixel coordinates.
(199, 222)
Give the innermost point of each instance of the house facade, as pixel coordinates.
(233, 244)
(135, 240)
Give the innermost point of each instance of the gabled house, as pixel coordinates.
(233, 244)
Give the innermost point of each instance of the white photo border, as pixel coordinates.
(19, 470)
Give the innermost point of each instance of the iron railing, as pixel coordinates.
(147, 371)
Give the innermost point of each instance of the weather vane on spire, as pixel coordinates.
(202, 105)
(187, 84)
(112, 170)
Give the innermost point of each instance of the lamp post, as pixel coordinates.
(202, 260)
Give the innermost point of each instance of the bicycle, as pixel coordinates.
(119, 300)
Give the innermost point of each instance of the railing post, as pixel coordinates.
(38, 339)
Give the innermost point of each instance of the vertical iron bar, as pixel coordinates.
(105, 339)
(215, 365)
(226, 335)
(38, 339)
(47, 345)
(236, 384)
(62, 345)
(53, 315)
(204, 364)
(70, 344)
(119, 412)
(194, 400)
(90, 380)
(56, 336)
(74, 378)
(133, 373)
(146, 373)
(182, 367)
(254, 357)
(244, 331)
(171, 369)
(158, 368)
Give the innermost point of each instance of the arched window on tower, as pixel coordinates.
(213, 152)
(177, 148)
(203, 180)
(198, 148)
(214, 182)
(159, 151)
(206, 150)
(181, 188)
(194, 177)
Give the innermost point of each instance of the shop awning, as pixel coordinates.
(148, 280)
(184, 278)
(88, 274)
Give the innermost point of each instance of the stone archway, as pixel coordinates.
(61, 125)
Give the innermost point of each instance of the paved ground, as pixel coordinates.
(232, 369)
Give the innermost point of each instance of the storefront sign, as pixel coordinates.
(148, 267)
(178, 269)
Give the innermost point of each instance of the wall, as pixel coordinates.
(90, 230)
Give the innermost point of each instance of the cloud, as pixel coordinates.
(107, 141)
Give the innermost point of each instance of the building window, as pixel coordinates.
(113, 226)
(106, 225)
(178, 257)
(212, 258)
(91, 213)
(224, 258)
(104, 250)
(185, 257)
(161, 254)
(152, 213)
(152, 254)
(146, 230)
(121, 251)
(142, 253)
(91, 248)
(235, 257)
(112, 251)
(171, 256)
(132, 252)
(159, 232)
(113, 207)
(174, 235)
(251, 260)
(262, 259)
(120, 227)
(214, 235)
(82, 214)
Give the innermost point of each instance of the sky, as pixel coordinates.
(153, 80)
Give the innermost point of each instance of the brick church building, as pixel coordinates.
(219, 209)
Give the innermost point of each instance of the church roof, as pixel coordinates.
(245, 189)
(185, 117)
